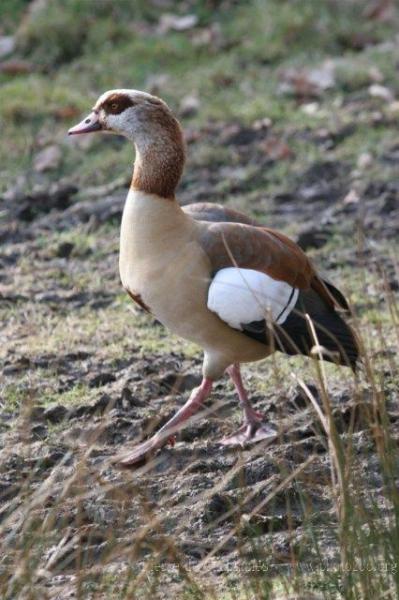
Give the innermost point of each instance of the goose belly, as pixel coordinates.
(178, 299)
(160, 264)
(173, 288)
(164, 269)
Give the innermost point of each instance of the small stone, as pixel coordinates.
(169, 22)
(376, 117)
(311, 108)
(48, 159)
(323, 76)
(352, 197)
(7, 45)
(365, 160)
(381, 91)
(393, 107)
(375, 74)
(48, 297)
(211, 37)
(262, 124)
(156, 83)
(189, 106)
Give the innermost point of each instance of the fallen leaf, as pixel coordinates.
(380, 10)
(298, 85)
(222, 80)
(16, 67)
(276, 149)
(309, 83)
(66, 112)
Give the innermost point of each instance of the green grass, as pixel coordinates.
(78, 49)
(103, 50)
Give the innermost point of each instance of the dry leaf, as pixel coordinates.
(66, 112)
(276, 149)
(304, 83)
(380, 10)
(16, 67)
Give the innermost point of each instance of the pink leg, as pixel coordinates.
(167, 432)
(253, 428)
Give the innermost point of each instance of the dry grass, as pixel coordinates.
(313, 515)
(49, 537)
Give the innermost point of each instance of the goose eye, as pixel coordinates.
(114, 106)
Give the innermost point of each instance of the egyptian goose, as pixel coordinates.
(210, 274)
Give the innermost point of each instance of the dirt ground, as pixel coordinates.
(195, 498)
(85, 374)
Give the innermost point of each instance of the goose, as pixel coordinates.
(210, 274)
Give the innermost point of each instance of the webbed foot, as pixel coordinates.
(249, 433)
(140, 454)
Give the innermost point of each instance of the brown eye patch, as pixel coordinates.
(116, 104)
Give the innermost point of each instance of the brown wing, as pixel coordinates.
(264, 250)
(206, 211)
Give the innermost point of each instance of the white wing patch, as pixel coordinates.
(240, 296)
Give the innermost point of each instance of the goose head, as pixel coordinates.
(131, 113)
(148, 122)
